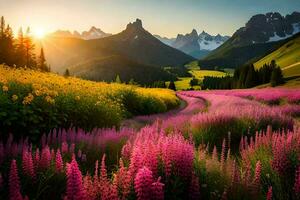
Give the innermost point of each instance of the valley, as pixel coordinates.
(96, 104)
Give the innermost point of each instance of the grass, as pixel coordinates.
(194, 69)
(290, 82)
(285, 56)
(33, 102)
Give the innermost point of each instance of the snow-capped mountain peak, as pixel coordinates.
(92, 33)
(194, 44)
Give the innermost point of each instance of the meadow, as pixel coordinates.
(230, 144)
(33, 102)
(183, 83)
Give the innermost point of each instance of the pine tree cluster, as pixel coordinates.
(247, 77)
(20, 51)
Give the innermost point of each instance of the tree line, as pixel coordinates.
(246, 77)
(20, 51)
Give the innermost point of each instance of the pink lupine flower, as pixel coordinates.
(194, 190)
(222, 157)
(58, 162)
(126, 151)
(142, 184)
(72, 148)
(123, 181)
(158, 190)
(247, 175)
(14, 182)
(37, 158)
(52, 154)
(27, 164)
(90, 187)
(103, 172)
(45, 158)
(75, 189)
(256, 181)
(31, 170)
(96, 174)
(215, 153)
(64, 148)
(104, 185)
(269, 194)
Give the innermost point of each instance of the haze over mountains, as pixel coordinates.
(134, 50)
(261, 35)
(136, 53)
(93, 33)
(194, 44)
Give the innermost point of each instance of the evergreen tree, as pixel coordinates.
(42, 65)
(132, 82)
(250, 79)
(67, 73)
(194, 82)
(29, 49)
(118, 79)
(243, 76)
(9, 46)
(6, 44)
(2, 27)
(20, 50)
(172, 86)
(276, 77)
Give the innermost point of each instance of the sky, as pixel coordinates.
(163, 17)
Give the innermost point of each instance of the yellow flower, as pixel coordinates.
(49, 99)
(77, 98)
(14, 97)
(4, 88)
(37, 93)
(28, 99)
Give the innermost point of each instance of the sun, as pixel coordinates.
(39, 33)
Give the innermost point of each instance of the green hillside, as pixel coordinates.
(287, 57)
(183, 83)
(231, 56)
(107, 68)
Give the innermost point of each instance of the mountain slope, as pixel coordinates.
(134, 43)
(287, 57)
(261, 35)
(107, 68)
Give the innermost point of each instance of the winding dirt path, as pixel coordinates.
(188, 106)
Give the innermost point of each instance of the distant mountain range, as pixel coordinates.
(261, 35)
(93, 33)
(193, 44)
(134, 50)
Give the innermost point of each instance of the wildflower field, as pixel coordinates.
(32, 102)
(239, 144)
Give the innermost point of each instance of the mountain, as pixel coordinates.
(134, 45)
(195, 45)
(165, 40)
(93, 33)
(286, 56)
(261, 35)
(107, 68)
